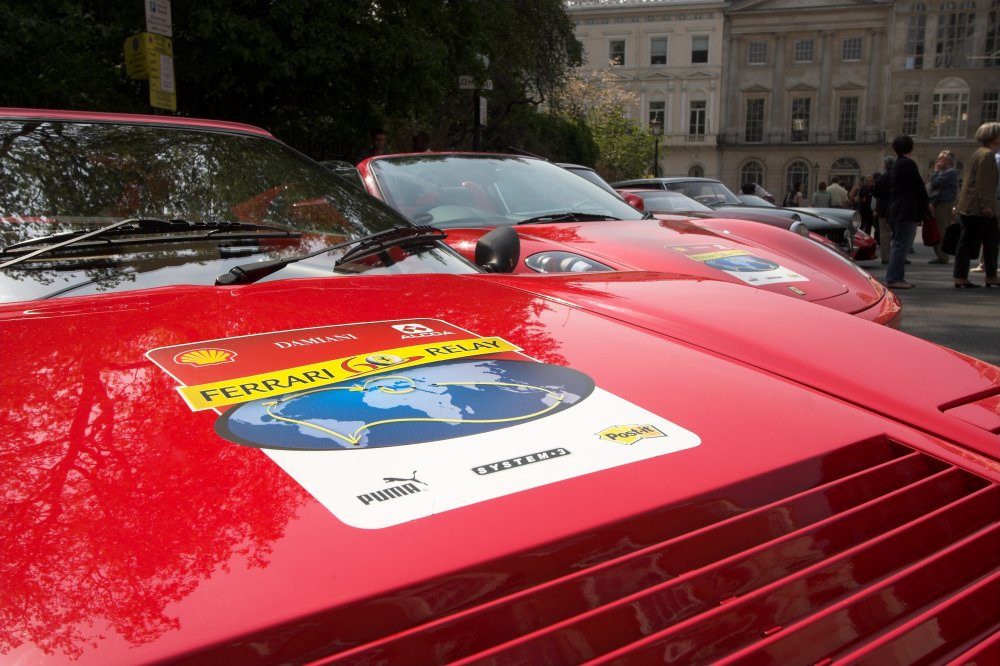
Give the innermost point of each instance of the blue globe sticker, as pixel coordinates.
(419, 404)
(742, 263)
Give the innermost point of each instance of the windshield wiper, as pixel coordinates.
(568, 216)
(165, 231)
(377, 242)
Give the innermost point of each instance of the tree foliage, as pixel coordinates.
(318, 74)
(602, 103)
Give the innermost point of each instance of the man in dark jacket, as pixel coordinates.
(908, 206)
(880, 191)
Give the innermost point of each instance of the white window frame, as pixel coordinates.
(758, 122)
(848, 118)
(852, 49)
(757, 52)
(803, 51)
(653, 52)
(695, 39)
(612, 52)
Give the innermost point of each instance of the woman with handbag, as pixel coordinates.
(976, 206)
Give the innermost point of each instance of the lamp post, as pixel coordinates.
(656, 126)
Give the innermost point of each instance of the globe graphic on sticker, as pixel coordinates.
(408, 406)
(742, 263)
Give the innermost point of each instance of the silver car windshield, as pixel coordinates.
(488, 190)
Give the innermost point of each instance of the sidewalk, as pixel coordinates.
(967, 320)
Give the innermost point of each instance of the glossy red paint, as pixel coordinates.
(816, 516)
(205, 543)
(772, 259)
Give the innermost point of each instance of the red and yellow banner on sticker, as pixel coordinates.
(324, 373)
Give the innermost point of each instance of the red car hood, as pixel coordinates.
(762, 259)
(139, 525)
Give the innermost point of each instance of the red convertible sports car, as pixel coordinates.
(252, 416)
(567, 224)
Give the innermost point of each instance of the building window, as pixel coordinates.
(657, 112)
(851, 49)
(911, 105)
(847, 123)
(699, 50)
(752, 172)
(658, 51)
(954, 35)
(951, 111)
(697, 118)
(916, 35)
(800, 119)
(991, 107)
(757, 53)
(696, 171)
(616, 52)
(798, 172)
(992, 55)
(803, 51)
(754, 132)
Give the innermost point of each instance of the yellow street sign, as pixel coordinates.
(150, 56)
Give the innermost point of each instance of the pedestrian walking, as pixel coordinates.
(977, 210)
(908, 206)
(880, 192)
(943, 192)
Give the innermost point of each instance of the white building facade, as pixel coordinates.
(669, 53)
(792, 91)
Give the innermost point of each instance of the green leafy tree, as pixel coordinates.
(626, 148)
(318, 74)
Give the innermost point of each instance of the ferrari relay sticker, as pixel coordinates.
(739, 263)
(386, 422)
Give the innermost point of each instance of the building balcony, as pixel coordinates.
(702, 140)
(780, 138)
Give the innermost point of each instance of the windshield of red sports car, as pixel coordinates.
(469, 190)
(97, 207)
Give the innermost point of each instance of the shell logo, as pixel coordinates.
(202, 357)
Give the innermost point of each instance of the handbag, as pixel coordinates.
(949, 244)
(930, 232)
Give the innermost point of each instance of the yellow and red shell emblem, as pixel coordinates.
(206, 356)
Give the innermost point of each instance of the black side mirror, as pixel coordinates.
(499, 250)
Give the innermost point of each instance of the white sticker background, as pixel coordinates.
(434, 477)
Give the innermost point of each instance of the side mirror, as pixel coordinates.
(499, 250)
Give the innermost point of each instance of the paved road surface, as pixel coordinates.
(967, 320)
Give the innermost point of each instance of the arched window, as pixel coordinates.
(950, 109)
(848, 169)
(696, 171)
(752, 172)
(799, 171)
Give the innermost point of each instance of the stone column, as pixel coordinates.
(875, 60)
(778, 117)
(826, 111)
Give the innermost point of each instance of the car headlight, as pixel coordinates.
(801, 228)
(564, 262)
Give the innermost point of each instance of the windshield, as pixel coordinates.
(708, 192)
(241, 194)
(490, 190)
(663, 201)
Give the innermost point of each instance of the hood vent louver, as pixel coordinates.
(882, 555)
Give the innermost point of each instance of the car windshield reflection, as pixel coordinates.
(450, 191)
(61, 177)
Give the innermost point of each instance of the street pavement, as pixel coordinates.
(966, 320)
